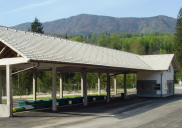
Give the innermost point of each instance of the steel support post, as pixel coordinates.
(34, 85)
(81, 83)
(0, 89)
(125, 91)
(9, 89)
(54, 107)
(85, 86)
(61, 85)
(115, 89)
(99, 84)
(108, 87)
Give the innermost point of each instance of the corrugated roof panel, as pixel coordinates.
(158, 62)
(42, 47)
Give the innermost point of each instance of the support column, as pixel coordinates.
(81, 83)
(34, 85)
(61, 85)
(0, 89)
(125, 91)
(173, 85)
(9, 89)
(108, 87)
(54, 107)
(115, 90)
(99, 84)
(85, 86)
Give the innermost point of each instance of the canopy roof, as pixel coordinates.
(38, 47)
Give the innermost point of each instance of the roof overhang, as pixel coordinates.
(13, 61)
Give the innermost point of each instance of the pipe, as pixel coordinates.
(26, 69)
(11, 103)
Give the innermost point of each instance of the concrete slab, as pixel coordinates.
(131, 113)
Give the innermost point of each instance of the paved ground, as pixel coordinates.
(131, 113)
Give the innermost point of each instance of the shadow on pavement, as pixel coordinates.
(118, 107)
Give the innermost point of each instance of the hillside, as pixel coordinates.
(85, 24)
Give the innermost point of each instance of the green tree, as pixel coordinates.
(178, 39)
(78, 38)
(66, 36)
(36, 26)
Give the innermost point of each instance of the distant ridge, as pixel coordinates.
(86, 23)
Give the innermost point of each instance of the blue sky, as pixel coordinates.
(14, 12)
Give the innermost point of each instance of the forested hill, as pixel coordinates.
(85, 24)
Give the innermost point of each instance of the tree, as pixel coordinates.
(178, 39)
(66, 36)
(36, 26)
(78, 38)
(137, 48)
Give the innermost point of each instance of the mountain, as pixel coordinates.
(85, 24)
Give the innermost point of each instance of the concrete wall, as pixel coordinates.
(4, 110)
(147, 78)
(168, 79)
(145, 88)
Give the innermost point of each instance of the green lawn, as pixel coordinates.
(47, 98)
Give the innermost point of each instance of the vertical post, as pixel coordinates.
(0, 89)
(34, 85)
(136, 82)
(115, 90)
(161, 83)
(173, 85)
(9, 89)
(54, 108)
(99, 84)
(108, 87)
(61, 85)
(81, 83)
(125, 91)
(84, 86)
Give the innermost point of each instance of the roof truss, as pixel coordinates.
(6, 52)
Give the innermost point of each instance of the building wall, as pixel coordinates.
(167, 80)
(148, 79)
(147, 83)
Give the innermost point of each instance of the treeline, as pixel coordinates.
(139, 43)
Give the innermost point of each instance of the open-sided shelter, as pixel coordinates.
(32, 51)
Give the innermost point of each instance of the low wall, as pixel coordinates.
(4, 110)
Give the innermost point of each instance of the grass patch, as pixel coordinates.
(47, 98)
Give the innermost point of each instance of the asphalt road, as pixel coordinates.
(131, 113)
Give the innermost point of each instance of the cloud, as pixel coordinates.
(28, 7)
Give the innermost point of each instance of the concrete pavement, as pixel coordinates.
(131, 113)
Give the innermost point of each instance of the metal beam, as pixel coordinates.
(13, 61)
